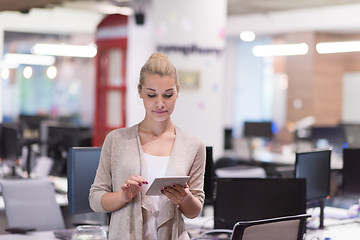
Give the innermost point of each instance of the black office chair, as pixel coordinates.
(284, 228)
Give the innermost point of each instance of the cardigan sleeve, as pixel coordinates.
(196, 181)
(102, 182)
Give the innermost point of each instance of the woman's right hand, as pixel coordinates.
(132, 187)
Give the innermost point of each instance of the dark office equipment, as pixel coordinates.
(31, 123)
(315, 168)
(245, 199)
(82, 163)
(351, 171)
(228, 138)
(10, 142)
(62, 137)
(258, 129)
(352, 135)
(334, 135)
(209, 175)
(284, 228)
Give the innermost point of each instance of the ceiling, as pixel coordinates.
(235, 7)
(240, 7)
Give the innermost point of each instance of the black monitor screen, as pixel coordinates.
(10, 143)
(82, 165)
(31, 121)
(351, 171)
(244, 199)
(258, 129)
(209, 175)
(352, 134)
(315, 168)
(334, 135)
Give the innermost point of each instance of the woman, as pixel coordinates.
(132, 157)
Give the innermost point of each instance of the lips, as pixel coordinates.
(160, 112)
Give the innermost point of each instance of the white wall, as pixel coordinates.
(140, 46)
(188, 24)
(351, 98)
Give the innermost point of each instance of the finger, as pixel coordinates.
(138, 179)
(125, 186)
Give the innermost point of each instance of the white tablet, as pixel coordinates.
(160, 182)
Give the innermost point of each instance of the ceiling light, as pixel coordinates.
(27, 72)
(280, 50)
(87, 51)
(247, 36)
(338, 47)
(51, 72)
(5, 73)
(28, 59)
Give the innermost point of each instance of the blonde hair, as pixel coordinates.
(158, 64)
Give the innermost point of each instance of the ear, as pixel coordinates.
(139, 90)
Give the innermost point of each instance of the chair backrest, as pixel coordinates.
(284, 228)
(82, 163)
(31, 203)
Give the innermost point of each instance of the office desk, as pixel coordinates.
(288, 159)
(46, 235)
(336, 228)
(346, 231)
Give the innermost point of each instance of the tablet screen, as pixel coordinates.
(160, 182)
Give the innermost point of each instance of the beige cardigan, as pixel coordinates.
(122, 157)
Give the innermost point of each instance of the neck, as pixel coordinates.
(157, 128)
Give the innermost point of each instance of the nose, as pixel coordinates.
(159, 103)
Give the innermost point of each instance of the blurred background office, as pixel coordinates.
(226, 82)
(259, 80)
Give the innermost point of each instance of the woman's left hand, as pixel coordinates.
(176, 193)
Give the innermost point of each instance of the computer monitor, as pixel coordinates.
(314, 166)
(352, 135)
(30, 125)
(10, 142)
(258, 129)
(243, 199)
(351, 171)
(209, 176)
(60, 138)
(82, 163)
(334, 135)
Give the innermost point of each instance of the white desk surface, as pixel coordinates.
(348, 231)
(262, 155)
(336, 228)
(46, 235)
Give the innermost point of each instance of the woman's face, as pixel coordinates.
(159, 95)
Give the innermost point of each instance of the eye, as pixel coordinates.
(168, 95)
(151, 95)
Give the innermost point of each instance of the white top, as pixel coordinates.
(156, 166)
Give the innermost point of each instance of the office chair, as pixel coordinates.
(31, 203)
(284, 228)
